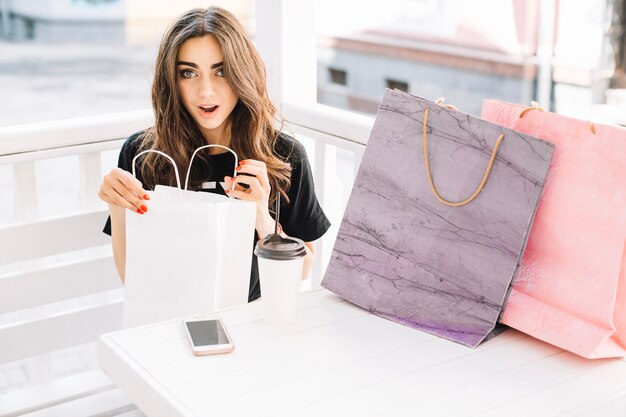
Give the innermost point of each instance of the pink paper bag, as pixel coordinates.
(570, 290)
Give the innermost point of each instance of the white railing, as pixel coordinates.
(45, 261)
(338, 141)
(57, 278)
(23, 145)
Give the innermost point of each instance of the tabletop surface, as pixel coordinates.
(338, 359)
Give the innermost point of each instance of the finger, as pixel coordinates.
(252, 162)
(241, 195)
(228, 181)
(117, 199)
(134, 194)
(122, 196)
(119, 176)
(130, 182)
(251, 170)
(229, 184)
(104, 197)
(252, 182)
(260, 172)
(131, 201)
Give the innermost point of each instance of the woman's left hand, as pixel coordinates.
(258, 190)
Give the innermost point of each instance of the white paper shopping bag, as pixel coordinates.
(190, 254)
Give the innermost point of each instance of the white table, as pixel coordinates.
(340, 360)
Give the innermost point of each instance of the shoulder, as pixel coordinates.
(130, 148)
(133, 142)
(289, 149)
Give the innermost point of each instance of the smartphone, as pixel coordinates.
(208, 337)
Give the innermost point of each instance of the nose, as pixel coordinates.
(207, 88)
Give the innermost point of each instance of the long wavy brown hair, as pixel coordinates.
(251, 122)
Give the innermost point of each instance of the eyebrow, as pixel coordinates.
(191, 64)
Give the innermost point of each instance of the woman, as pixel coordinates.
(210, 88)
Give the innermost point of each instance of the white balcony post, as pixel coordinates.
(285, 38)
(358, 157)
(545, 52)
(319, 174)
(25, 186)
(90, 176)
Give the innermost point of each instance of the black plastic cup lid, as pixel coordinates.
(280, 248)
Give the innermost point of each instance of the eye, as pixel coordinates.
(220, 72)
(187, 73)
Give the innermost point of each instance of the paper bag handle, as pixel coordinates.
(440, 101)
(430, 178)
(535, 106)
(163, 154)
(210, 146)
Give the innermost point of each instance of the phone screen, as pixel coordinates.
(207, 332)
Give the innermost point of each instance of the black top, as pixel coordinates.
(302, 217)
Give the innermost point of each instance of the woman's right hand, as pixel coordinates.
(119, 188)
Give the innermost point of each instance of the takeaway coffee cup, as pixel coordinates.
(280, 272)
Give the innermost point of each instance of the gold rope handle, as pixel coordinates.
(533, 106)
(440, 101)
(430, 178)
(591, 127)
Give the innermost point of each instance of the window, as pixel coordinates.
(397, 85)
(338, 76)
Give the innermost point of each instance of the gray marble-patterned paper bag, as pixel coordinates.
(404, 254)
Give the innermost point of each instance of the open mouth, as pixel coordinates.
(208, 109)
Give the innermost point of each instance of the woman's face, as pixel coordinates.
(205, 93)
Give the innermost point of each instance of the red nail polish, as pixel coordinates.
(144, 208)
(238, 168)
(139, 211)
(146, 197)
(227, 191)
(242, 162)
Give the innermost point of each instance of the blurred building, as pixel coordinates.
(467, 52)
(64, 20)
(99, 21)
